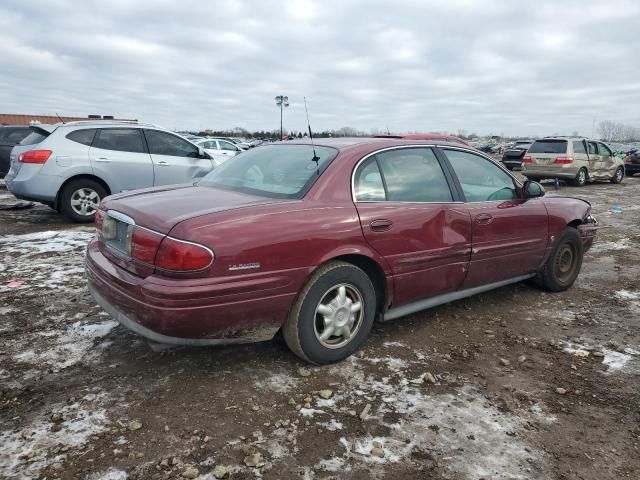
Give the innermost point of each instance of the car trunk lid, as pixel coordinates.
(161, 208)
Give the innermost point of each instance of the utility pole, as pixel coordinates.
(282, 101)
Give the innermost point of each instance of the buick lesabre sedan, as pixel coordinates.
(321, 241)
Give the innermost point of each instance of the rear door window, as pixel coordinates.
(549, 146)
(227, 146)
(120, 139)
(578, 146)
(368, 182)
(592, 148)
(413, 175)
(162, 143)
(84, 137)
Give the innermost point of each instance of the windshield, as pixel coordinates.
(275, 171)
(549, 146)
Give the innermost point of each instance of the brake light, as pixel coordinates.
(627, 159)
(99, 220)
(527, 159)
(178, 255)
(144, 244)
(563, 160)
(35, 156)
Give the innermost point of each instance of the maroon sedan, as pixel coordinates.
(321, 241)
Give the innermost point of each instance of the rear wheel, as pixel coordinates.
(581, 178)
(332, 315)
(618, 176)
(564, 263)
(80, 199)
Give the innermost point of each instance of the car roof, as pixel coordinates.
(344, 143)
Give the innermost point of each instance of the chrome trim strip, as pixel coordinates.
(447, 297)
(121, 217)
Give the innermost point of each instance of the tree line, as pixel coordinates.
(611, 131)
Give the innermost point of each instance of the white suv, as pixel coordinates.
(73, 166)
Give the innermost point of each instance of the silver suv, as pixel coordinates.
(72, 166)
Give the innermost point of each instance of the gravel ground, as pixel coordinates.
(515, 383)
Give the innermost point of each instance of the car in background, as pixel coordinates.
(72, 166)
(10, 136)
(512, 156)
(320, 240)
(426, 136)
(220, 150)
(579, 160)
(236, 141)
(632, 162)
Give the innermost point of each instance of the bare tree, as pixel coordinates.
(611, 131)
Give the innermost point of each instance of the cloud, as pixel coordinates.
(518, 68)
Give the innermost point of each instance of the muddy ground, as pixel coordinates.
(516, 383)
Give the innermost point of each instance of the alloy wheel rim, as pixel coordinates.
(582, 177)
(85, 202)
(338, 316)
(566, 262)
(619, 174)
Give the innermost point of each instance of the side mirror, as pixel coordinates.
(532, 189)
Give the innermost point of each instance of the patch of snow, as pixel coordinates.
(333, 464)
(278, 382)
(621, 244)
(51, 241)
(36, 442)
(310, 412)
(64, 348)
(394, 344)
(332, 425)
(627, 295)
(111, 474)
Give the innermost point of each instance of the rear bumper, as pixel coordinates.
(187, 311)
(631, 168)
(29, 185)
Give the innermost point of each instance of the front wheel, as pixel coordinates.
(79, 200)
(332, 315)
(581, 178)
(564, 263)
(618, 176)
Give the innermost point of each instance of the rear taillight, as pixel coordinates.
(99, 220)
(563, 160)
(144, 244)
(627, 159)
(527, 159)
(35, 156)
(178, 255)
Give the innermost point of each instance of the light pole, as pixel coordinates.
(282, 101)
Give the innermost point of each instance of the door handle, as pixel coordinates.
(162, 163)
(484, 219)
(103, 159)
(381, 225)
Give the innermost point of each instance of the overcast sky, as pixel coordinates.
(507, 67)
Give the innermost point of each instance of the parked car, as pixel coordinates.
(579, 160)
(220, 150)
(426, 136)
(10, 136)
(73, 166)
(632, 163)
(320, 241)
(512, 156)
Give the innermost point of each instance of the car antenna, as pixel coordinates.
(315, 157)
(60, 118)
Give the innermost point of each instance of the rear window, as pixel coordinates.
(37, 135)
(549, 146)
(275, 171)
(84, 137)
(13, 134)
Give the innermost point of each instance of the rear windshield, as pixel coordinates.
(36, 136)
(275, 171)
(548, 146)
(13, 134)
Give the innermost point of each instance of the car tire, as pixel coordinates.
(82, 195)
(618, 176)
(564, 263)
(335, 288)
(581, 178)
